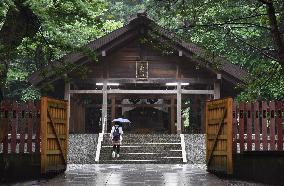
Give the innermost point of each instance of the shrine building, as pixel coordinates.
(144, 73)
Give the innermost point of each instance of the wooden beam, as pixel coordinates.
(191, 81)
(217, 85)
(121, 91)
(136, 105)
(197, 91)
(179, 108)
(86, 91)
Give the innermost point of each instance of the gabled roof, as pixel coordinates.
(229, 71)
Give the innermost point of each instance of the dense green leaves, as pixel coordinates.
(237, 30)
(65, 26)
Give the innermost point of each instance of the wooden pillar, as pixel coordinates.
(104, 108)
(68, 98)
(173, 118)
(179, 108)
(202, 120)
(217, 87)
(113, 113)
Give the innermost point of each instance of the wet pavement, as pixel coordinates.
(137, 174)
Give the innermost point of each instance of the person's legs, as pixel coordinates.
(117, 151)
(113, 150)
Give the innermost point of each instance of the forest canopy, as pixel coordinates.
(249, 33)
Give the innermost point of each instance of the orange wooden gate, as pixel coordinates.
(219, 135)
(54, 135)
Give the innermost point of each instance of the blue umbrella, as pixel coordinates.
(121, 120)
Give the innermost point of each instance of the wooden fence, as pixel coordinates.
(258, 126)
(243, 138)
(33, 133)
(20, 127)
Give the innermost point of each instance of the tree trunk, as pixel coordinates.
(277, 37)
(20, 22)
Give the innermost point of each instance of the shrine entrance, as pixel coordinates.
(148, 120)
(151, 108)
(144, 73)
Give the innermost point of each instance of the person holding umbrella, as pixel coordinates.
(116, 137)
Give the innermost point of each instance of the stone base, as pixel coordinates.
(82, 148)
(195, 148)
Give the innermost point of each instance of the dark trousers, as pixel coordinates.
(116, 148)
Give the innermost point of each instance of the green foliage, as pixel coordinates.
(237, 30)
(65, 26)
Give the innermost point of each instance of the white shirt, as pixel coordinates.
(120, 131)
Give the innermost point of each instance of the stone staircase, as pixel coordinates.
(144, 148)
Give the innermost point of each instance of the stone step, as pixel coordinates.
(148, 137)
(129, 141)
(141, 156)
(157, 161)
(144, 148)
(146, 143)
(141, 148)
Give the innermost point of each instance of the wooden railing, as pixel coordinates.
(258, 126)
(20, 127)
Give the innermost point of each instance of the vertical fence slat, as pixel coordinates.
(264, 125)
(256, 126)
(235, 128)
(249, 126)
(14, 111)
(242, 128)
(272, 125)
(30, 126)
(22, 128)
(279, 126)
(5, 126)
(37, 137)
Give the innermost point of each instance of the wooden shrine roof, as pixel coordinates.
(229, 71)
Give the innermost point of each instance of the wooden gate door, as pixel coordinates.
(54, 135)
(219, 135)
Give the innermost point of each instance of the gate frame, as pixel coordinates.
(48, 119)
(226, 117)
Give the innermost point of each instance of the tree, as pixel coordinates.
(276, 27)
(33, 33)
(246, 32)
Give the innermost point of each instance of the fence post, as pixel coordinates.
(264, 125)
(249, 126)
(229, 136)
(279, 126)
(256, 126)
(242, 128)
(272, 125)
(5, 127)
(235, 127)
(43, 133)
(14, 110)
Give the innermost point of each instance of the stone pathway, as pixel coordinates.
(136, 174)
